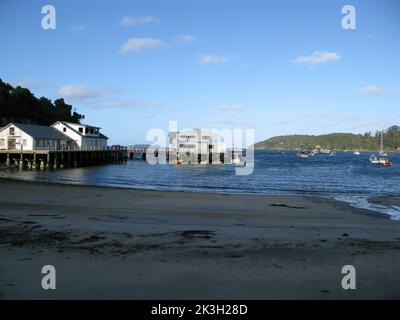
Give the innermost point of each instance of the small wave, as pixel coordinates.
(361, 202)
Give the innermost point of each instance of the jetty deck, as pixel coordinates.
(175, 156)
(41, 159)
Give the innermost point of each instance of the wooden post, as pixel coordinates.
(8, 159)
(21, 160)
(48, 159)
(34, 164)
(55, 164)
(62, 157)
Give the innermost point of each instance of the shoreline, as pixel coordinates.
(349, 151)
(382, 200)
(110, 243)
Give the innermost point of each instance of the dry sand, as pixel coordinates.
(119, 243)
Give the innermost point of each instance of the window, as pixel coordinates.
(64, 129)
(2, 142)
(91, 131)
(11, 132)
(81, 130)
(188, 146)
(24, 142)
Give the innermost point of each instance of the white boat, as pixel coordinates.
(332, 154)
(325, 151)
(357, 153)
(381, 161)
(305, 153)
(374, 159)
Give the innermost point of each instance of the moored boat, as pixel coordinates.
(381, 161)
(325, 151)
(304, 153)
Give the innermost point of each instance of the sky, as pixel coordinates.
(278, 67)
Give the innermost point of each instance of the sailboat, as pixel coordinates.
(383, 160)
(357, 153)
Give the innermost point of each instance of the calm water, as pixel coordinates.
(345, 177)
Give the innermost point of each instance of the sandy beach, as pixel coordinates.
(131, 244)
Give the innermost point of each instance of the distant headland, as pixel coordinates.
(335, 141)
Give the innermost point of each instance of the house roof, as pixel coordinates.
(102, 136)
(68, 124)
(76, 124)
(40, 132)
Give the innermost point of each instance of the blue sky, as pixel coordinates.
(278, 67)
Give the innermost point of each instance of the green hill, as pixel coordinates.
(335, 141)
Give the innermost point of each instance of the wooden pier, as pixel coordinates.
(55, 159)
(58, 159)
(171, 156)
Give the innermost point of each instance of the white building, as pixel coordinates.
(85, 137)
(196, 141)
(32, 137)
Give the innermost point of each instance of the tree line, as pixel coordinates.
(336, 141)
(19, 105)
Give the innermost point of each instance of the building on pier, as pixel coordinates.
(85, 137)
(58, 146)
(61, 135)
(196, 141)
(33, 137)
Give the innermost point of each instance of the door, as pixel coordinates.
(11, 144)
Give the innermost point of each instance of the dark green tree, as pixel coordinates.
(21, 106)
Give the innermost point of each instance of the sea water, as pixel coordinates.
(346, 177)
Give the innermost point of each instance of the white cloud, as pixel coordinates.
(78, 28)
(373, 89)
(231, 107)
(186, 38)
(139, 44)
(123, 104)
(115, 104)
(212, 59)
(228, 122)
(82, 92)
(28, 83)
(318, 58)
(128, 21)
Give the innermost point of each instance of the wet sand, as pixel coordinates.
(130, 244)
(387, 201)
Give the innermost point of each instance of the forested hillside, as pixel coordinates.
(19, 105)
(335, 141)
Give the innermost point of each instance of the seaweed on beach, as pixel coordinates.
(197, 234)
(286, 206)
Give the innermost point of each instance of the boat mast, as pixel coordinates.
(381, 142)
